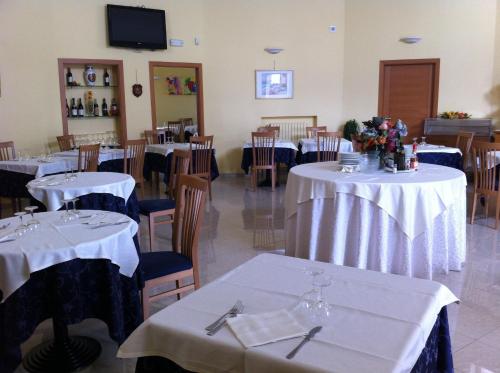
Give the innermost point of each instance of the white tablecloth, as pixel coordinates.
(407, 223)
(37, 166)
(44, 190)
(166, 149)
(277, 144)
(311, 145)
(380, 322)
(56, 242)
(104, 155)
(429, 148)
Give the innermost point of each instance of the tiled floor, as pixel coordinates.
(240, 224)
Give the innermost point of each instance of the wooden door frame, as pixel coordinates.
(424, 61)
(199, 96)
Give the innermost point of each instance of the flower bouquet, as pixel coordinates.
(381, 134)
(454, 115)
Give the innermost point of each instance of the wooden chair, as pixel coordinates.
(88, 158)
(162, 267)
(328, 144)
(133, 161)
(201, 159)
(275, 129)
(185, 122)
(311, 131)
(263, 156)
(7, 151)
(151, 137)
(464, 143)
(485, 176)
(66, 142)
(165, 207)
(174, 128)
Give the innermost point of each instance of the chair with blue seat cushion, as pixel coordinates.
(162, 267)
(155, 208)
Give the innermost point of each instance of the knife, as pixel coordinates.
(307, 338)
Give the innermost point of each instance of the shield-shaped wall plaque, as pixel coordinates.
(137, 90)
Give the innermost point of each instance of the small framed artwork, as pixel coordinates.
(273, 84)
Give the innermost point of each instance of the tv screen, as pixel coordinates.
(136, 27)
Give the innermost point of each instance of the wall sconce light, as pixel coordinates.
(273, 50)
(410, 39)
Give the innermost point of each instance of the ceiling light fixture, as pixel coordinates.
(273, 50)
(410, 39)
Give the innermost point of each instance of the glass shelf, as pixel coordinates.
(93, 117)
(90, 87)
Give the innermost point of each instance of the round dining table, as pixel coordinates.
(67, 270)
(410, 223)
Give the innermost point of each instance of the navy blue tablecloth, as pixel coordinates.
(154, 162)
(13, 184)
(444, 159)
(435, 357)
(281, 155)
(73, 291)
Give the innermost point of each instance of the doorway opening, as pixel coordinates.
(177, 98)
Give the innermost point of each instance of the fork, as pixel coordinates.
(217, 325)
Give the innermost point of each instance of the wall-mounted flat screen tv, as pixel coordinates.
(136, 27)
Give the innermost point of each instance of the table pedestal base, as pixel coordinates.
(63, 353)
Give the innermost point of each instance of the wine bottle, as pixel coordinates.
(81, 111)
(96, 108)
(104, 108)
(69, 77)
(74, 110)
(67, 109)
(106, 78)
(114, 107)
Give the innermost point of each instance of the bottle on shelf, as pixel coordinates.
(69, 77)
(74, 109)
(96, 108)
(81, 110)
(67, 109)
(114, 107)
(104, 108)
(106, 78)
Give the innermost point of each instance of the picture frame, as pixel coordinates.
(273, 84)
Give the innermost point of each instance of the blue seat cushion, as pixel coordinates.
(161, 263)
(148, 206)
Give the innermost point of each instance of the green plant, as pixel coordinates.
(351, 127)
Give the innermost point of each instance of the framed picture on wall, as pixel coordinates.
(273, 84)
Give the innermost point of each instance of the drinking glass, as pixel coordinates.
(21, 228)
(33, 223)
(75, 211)
(309, 298)
(322, 308)
(423, 141)
(68, 216)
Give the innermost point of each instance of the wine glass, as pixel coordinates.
(21, 228)
(68, 216)
(322, 308)
(423, 143)
(75, 211)
(33, 223)
(309, 298)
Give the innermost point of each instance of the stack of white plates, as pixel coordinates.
(350, 159)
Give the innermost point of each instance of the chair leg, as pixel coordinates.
(254, 179)
(178, 284)
(273, 178)
(496, 213)
(474, 202)
(209, 187)
(151, 232)
(486, 205)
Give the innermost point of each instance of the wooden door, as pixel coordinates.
(408, 90)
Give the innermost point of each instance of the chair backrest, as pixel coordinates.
(151, 137)
(311, 131)
(484, 161)
(88, 158)
(187, 121)
(133, 158)
(188, 216)
(201, 155)
(7, 151)
(263, 149)
(328, 144)
(464, 143)
(179, 166)
(66, 142)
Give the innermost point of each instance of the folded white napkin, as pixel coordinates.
(262, 328)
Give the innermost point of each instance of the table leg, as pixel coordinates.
(63, 353)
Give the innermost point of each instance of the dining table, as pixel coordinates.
(110, 159)
(158, 158)
(308, 149)
(284, 152)
(67, 270)
(409, 223)
(440, 155)
(378, 323)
